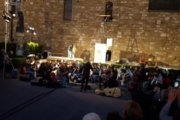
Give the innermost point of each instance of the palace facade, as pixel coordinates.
(134, 28)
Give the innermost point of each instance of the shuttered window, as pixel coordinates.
(67, 9)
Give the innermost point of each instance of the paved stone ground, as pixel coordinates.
(61, 104)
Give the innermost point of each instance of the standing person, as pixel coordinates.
(85, 73)
(73, 51)
(45, 54)
(70, 51)
(8, 67)
(2, 55)
(11, 55)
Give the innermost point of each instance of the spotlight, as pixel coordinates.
(27, 31)
(12, 13)
(34, 33)
(8, 19)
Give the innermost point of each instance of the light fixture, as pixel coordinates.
(34, 33)
(31, 32)
(8, 18)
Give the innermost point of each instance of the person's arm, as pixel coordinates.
(24, 70)
(165, 110)
(164, 113)
(91, 67)
(156, 88)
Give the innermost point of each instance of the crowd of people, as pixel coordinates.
(155, 95)
(139, 110)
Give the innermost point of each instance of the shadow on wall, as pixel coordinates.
(85, 55)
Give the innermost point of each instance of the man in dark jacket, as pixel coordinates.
(85, 73)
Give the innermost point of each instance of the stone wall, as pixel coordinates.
(155, 33)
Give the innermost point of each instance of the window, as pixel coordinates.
(108, 11)
(164, 5)
(67, 9)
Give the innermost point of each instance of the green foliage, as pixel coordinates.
(34, 48)
(17, 62)
(39, 49)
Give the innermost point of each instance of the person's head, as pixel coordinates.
(91, 116)
(32, 58)
(132, 110)
(114, 72)
(136, 68)
(156, 68)
(11, 52)
(113, 116)
(131, 67)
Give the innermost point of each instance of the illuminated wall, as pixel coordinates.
(155, 33)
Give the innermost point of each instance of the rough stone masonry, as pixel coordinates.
(152, 33)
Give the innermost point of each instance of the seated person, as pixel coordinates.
(75, 73)
(110, 81)
(8, 66)
(24, 70)
(121, 74)
(95, 73)
(48, 70)
(41, 70)
(106, 73)
(61, 75)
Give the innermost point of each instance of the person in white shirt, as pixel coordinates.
(73, 51)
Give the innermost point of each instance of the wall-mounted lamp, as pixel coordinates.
(6, 16)
(31, 31)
